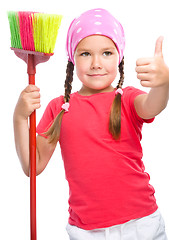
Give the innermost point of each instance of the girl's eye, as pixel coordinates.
(85, 54)
(107, 53)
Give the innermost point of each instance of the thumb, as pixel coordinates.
(158, 47)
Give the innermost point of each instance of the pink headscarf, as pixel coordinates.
(95, 22)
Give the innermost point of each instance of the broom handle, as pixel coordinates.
(32, 150)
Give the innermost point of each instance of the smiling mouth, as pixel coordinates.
(96, 75)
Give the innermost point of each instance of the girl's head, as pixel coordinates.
(95, 22)
(95, 31)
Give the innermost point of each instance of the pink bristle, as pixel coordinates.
(26, 30)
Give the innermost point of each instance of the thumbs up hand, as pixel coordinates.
(153, 72)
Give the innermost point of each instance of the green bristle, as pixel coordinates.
(46, 28)
(14, 29)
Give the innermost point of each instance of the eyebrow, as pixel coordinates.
(109, 48)
(88, 50)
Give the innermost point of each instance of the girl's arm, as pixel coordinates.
(29, 100)
(153, 73)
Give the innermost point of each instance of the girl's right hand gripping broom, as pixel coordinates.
(33, 37)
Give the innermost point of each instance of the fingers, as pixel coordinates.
(144, 61)
(31, 88)
(158, 47)
(142, 69)
(32, 92)
(30, 98)
(145, 83)
(145, 69)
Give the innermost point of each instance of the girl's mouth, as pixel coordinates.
(96, 75)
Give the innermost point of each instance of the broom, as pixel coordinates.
(33, 37)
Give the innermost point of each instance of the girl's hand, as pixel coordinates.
(153, 72)
(28, 101)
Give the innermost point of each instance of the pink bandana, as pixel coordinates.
(96, 21)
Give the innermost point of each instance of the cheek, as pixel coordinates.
(78, 70)
(112, 64)
(113, 69)
(80, 74)
(81, 68)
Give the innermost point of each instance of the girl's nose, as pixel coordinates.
(96, 63)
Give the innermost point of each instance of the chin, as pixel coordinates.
(101, 87)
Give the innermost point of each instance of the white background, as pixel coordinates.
(143, 22)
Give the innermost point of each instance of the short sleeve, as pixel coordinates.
(51, 111)
(130, 95)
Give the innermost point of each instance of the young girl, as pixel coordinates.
(99, 131)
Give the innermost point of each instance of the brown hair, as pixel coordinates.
(115, 114)
(54, 131)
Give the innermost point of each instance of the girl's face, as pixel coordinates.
(96, 61)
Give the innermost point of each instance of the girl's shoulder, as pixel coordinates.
(54, 105)
(132, 92)
(57, 101)
(130, 89)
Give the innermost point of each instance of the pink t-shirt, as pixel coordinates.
(107, 179)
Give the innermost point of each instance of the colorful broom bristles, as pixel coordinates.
(34, 31)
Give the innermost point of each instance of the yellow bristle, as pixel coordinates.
(45, 31)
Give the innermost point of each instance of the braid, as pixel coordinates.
(121, 70)
(68, 81)
(54, 130)
(115, 113)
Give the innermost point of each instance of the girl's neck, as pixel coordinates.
(85, 91)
